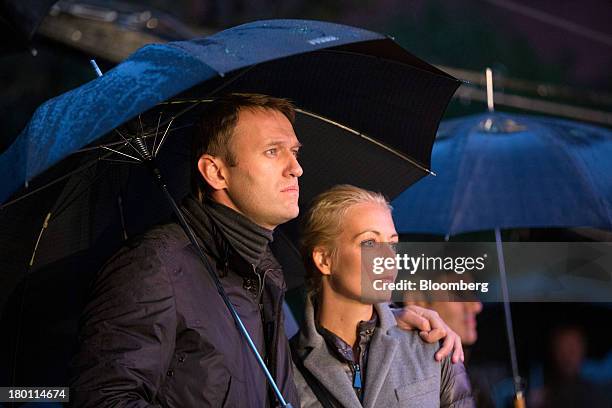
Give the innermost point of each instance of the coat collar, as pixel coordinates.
(380, 358)
(331, 372)
(230, 230)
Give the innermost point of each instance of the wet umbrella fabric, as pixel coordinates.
(497, 170)
(348, 130)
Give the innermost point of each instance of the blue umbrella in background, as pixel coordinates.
(348, 84)
(498, 171)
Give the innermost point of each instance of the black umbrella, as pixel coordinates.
(367, 111)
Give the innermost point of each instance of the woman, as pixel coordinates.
(350, 352)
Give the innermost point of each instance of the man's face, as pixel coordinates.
(461, 317)
(263, 185)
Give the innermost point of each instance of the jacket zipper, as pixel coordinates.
(270, 353)
(261, 279)
(357, 380)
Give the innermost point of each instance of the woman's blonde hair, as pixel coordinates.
(323, 224)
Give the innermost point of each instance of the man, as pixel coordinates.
(156, 332)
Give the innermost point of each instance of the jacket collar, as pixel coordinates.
(343, 350)
(230, 230)
(381, 354)
(211, 221)
(310, 337)
(331, 372)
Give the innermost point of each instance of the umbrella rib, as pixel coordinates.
(141, 127)
(121, 153)
(118, 161)
(42, 230)
(181, 101)
(128, 142)
(121, 216)
(161, 142)
(156, 133)
(49, 184)
(88, 149)
(83, 167)
(368, 138)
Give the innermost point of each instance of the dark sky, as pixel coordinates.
(576, 40)
(574, 35)
(587, 36)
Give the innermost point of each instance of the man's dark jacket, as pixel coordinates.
(156, 332)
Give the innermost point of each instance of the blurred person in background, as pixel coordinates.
(563, 383)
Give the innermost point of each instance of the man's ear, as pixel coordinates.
(322, 259)
(212, 170)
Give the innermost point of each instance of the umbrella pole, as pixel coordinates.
(519, 398)
(190, 234)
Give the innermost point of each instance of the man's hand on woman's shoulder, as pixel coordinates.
(431, 329)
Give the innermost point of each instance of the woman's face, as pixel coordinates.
(363, 226)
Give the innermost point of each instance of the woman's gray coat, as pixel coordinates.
(401, 369)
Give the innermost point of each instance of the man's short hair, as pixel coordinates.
(216, 127)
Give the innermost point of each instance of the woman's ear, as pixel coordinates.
(212, 170)
(322, 260)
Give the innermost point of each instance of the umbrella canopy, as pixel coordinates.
(355, 120)
(496, 170)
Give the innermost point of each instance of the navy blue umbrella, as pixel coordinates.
(497, 170)
(367, 115)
